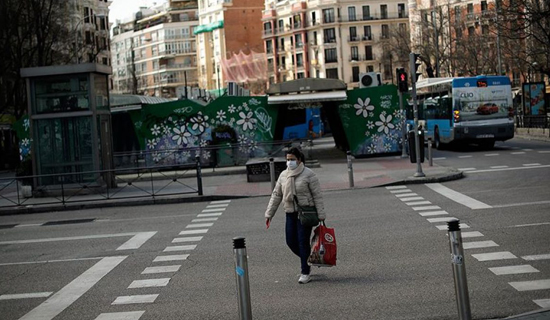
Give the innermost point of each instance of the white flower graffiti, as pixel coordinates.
(221, 115)
(246, 121)
(200, 122)
(151, 144)
(243, 140)
(363, 107)
(370, 125)
(384, 124)
(231, 109)
(181, 135)
(26, 124)
(157, 157)
(203, 143)
(25, 142)
(155, 130)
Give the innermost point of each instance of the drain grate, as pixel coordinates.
(53, 223)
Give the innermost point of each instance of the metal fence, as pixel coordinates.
(104, 185)
(537, 121)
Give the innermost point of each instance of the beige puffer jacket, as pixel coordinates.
(308, 192)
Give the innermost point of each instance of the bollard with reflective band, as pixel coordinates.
(459, 270)
(430, 151)
(199, 174)
(350, 169)
(241, 275)
(272, 173)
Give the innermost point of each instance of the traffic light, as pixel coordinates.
(413, 64)
(402, 83)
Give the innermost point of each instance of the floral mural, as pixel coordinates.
(229, 127)
(372, 120)
(22, 128)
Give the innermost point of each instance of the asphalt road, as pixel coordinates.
(393, 263)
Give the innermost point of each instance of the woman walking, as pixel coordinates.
(299, 181)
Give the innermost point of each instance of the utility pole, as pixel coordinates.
(413, 65)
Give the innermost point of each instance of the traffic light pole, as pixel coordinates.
(413, 66)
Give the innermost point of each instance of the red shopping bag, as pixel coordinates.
(323, 247)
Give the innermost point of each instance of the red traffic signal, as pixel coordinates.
(402, 83)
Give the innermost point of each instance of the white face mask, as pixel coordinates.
(292, 164)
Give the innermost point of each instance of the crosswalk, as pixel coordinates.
(436, 215)
(167, 263)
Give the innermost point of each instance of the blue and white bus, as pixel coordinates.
(466, 110)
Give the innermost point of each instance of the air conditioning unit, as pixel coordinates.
(232, 89)
(195, 93)
(370, 79)
(241, 91)
(246, 92)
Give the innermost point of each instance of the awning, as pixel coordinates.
(208, 27)
(308, 97)
(432, 82)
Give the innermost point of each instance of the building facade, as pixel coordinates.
(331, 39)
(155, 53)
(90, 25)
(227, 27)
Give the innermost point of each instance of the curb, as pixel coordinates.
(451, 175)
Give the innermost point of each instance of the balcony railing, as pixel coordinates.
(389, 15)
(330, 40)
(357, 57)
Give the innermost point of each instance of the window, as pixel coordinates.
(385, 31)
(330, 35)
(313, 18)
(355, 74)
(283, 62)
(471, 31)
(351, 14)
(401, 10)
(315, 38)
(402, 28)
(332, 73)
(283, 44)
(368, 53)
(269, 46)
(485, 29)
(355, 53)
(300, 75)
(370, 68)
(281, 26)
(457, 14)
(368, 33)
(483, 6)
(328, 15)
(353, 34)
(470, 8)
(299, 42)
(387, 71)
(300, 60)
(267, 28)
(383, 11)
(330, 55)
(366, 13)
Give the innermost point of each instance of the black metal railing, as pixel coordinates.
(536, 121)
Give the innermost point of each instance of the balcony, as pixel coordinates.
(268, 32)
(383, 16)
(330, 41)
(368, 37)
(354, 38)
(357, 57)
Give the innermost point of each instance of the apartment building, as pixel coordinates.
(331, 39)
(90, 23)
(227, 27)
(155, 52)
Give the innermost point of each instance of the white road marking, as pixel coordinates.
(98, 236)
(546, 151)
(220, 201)
(177, 257)
(417, 203)
(527, 149)
(466, 169)
(196, 231)
(179, 248)
(204, 219)
(400, 191)
(462, 157)
(144, 298)
(479, 244)
(508, 169)
(130, 315)
(519, 152)
(445, 227)
(491, 154)
(498, 167)
(209, 215)
(217, 205)
(457, 196)
(187, 239)
(411, 198)
(161, 269)
(406, 195)
(537, 257)
(149, 283)
(543, 303)
(532, 224)
(433, 213)
(199, 225)
(426, 208)
(395, 187)
(494, 256)
(49, 261)
(214, 210)
(440, 158)
(526, 268)
(445, 219)
(62, 299)
(521, 204)
(531, 164)
(531, 285)
(471, 234)
(137, 241)
(28, 225)
(25, 295)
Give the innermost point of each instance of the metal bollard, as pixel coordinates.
(241, 275)
(350, 169)
(272, 173)
(199, 174)
(430, 151)
(459, 271)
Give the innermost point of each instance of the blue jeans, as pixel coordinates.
(298, 239)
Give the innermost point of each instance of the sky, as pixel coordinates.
(125, 9)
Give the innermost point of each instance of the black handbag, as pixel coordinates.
(307, 214)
